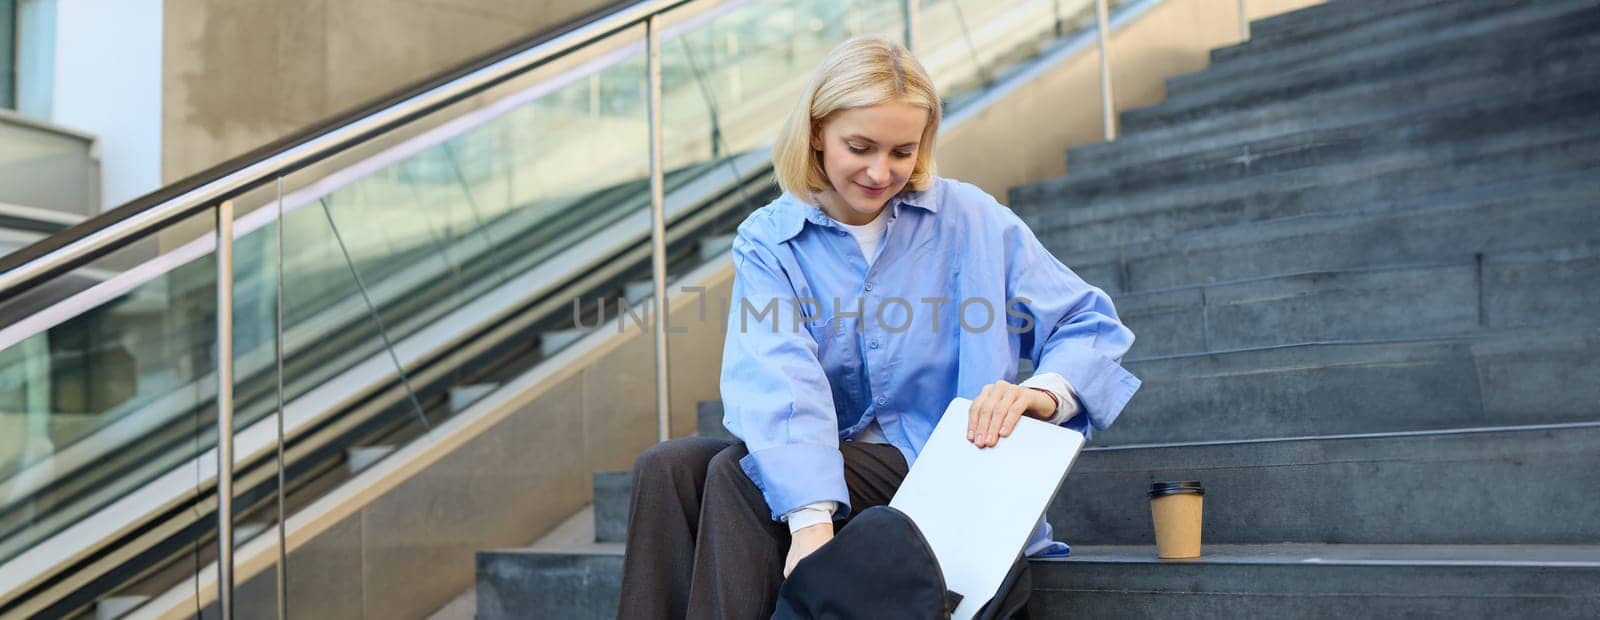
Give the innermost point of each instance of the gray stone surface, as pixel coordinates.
(1302, 390)
(709, 414)
(516, 584)
(1391, 35)
(1509, 486)
(1552, 66)
(1474, 127)
(1472, 44)
(1514, 377)
(1322, 581)
(1310, 23)
(1546, 284)
(613, 493)
(1561, 214)
(1392, 303)
(1245, 186)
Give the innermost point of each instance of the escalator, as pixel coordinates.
(391, 266)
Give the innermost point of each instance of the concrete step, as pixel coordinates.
(1508, 485)
(1509, 377)
(613, 493)
(1453, 48)
(1391, 495)
(360, 457)
(1413, 301)
(1492, 52)
(708, 416)
(1407, 232)
(1099, 228)
(1322, 581)
(462, 396)
(561, 576)
(639, 290)
(1320, 20)
(1553, 70)
(1390, 34)
(1514, 377)
(1265, 184)
(553, 342)
(1229, 581)
(1545, 287)
(111, 607)
(1307, 173)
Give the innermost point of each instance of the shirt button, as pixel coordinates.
(839, 232)
(869, 286)
(873, 344)
(883, 400)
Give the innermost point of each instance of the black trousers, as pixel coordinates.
(701, 539)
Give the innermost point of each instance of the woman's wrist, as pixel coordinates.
(1044, 405)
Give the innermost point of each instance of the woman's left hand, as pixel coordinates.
(995, 411)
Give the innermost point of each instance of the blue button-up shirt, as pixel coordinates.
(820, 344)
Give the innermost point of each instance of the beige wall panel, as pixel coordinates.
(324, 580)
(503, 488)
(695, 355)
(619, 401)
(325, 574)
(1023, 139)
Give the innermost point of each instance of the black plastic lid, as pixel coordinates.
(1158, 489)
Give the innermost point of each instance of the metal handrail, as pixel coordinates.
(100, 235)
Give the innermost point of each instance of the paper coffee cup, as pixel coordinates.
(1176, 507)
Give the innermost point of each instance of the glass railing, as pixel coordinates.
(413, 271)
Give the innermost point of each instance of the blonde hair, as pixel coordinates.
(863, 71)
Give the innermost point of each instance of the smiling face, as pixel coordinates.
(868, 154)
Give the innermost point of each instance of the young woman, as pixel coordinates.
(865, 299)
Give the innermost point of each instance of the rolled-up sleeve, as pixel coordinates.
(1076, 332)
(775, 393)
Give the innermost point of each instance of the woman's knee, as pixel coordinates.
(725, 470)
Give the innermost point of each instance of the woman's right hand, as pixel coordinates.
(804, 541)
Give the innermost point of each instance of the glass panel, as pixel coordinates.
(429, 237)
(101, 402)
(968, 44)
(729, 80)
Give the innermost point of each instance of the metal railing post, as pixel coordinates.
(283, 520)
(1244, 23)
(225, 409)
(1106, 101)
(913, 10)
(658, 226)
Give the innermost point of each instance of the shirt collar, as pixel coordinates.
(793, 213)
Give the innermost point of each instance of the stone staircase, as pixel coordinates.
(1361, 253)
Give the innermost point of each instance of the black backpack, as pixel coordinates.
(880, 567)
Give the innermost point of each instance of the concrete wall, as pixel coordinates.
(1023, 138)
(241, 74)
